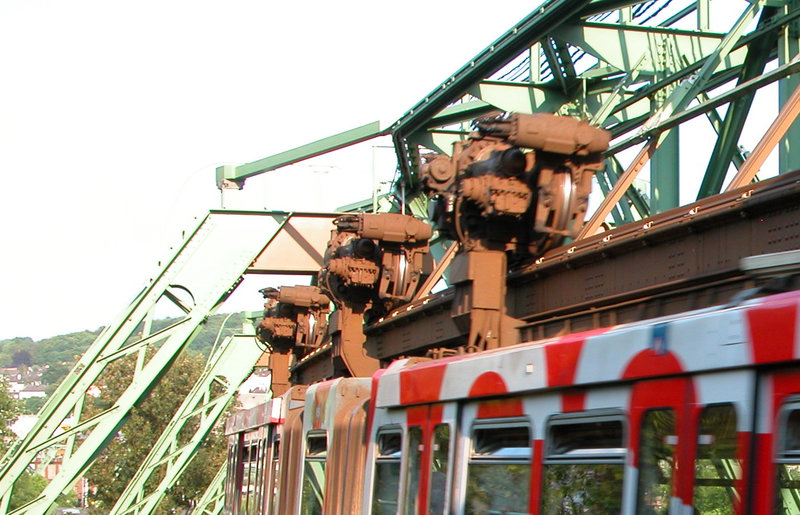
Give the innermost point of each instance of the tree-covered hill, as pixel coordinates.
(66, 349)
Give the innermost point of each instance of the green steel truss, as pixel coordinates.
(638, 69)
(213, 500)
(203, 271)
(641, 69)
(225, 371)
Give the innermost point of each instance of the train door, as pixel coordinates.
(660, 425)
(429, 445)
(690, 442)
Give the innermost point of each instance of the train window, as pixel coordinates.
(234, 467)
(387, 472)
(498, 471)
(314, 475)
(788, 461)
(716, 467)
(584, 465)
(413, 470)
(275, 486)
(439, 468)
(247, 499)
(656, 461)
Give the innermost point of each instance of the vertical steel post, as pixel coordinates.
(788, 49)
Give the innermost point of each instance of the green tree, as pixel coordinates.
(27, 488)
(122, 457)
(30, 484)
(32, 405)
(21, 357)
(10, 409)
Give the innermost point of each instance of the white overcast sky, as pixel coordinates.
(114, 115)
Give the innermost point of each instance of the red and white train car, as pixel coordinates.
(698, 413)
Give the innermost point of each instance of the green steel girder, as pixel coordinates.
(440, 141)
(736, 115)
(213, 500)
(686, 91)
(719, 77)
(601, 6)
(713, 58)
(788, 48)
(229, 365)
(519, 97)
(623, 46)
(716, 123)
(530, 29)
(560, 63)
(237, 174)
(461, 112)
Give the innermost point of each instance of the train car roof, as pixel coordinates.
(755, 332)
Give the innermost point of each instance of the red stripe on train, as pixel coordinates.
(563, 355)
(773, 327)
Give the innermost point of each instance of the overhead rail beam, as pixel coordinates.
(237, 174)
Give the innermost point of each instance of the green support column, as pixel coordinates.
(788, 48)
(665, 174)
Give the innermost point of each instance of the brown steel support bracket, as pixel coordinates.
(347, 335)
(479, 307)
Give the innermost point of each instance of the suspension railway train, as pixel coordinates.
(548, 378)
(699, 410)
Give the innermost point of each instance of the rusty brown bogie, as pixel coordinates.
(520, 183)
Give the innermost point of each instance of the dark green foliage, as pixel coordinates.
(9, 411)
(32, 405)
(29, 484)
(61, 352)
(28, 487)
(121, 459)
(21, 357)
(573, 489)
(497, 488)
(66, 348)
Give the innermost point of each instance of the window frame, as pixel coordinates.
(314, 458)
(396, 429)
(782, 457)
(451, 463)
(504, 423)
(467, 456)
(599, 457)
(586, 417)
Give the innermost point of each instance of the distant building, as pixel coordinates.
(31, 391)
